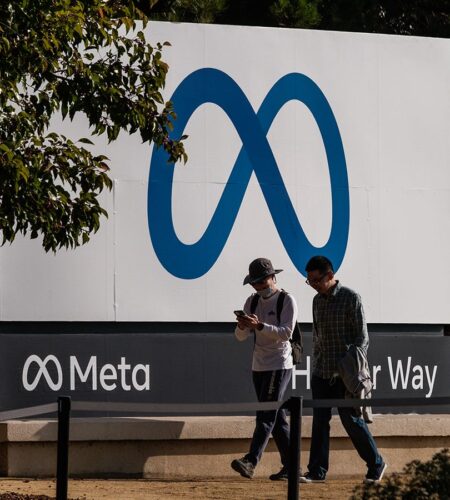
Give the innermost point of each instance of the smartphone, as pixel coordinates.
(240, 313)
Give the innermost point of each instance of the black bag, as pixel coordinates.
(297, 339)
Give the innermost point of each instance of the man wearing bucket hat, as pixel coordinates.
(272, 362)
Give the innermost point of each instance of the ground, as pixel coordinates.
(126, 489)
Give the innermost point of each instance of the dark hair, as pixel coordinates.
(319, 263)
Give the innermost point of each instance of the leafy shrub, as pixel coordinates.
(418, 481)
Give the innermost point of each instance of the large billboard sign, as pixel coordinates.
(300, 143)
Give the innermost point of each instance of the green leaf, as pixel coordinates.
(84, 140)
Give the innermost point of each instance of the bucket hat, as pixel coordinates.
(259, 269)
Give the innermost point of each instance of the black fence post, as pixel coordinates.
(62, 460)
(296, 407)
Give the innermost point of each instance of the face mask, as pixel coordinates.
(266, 292)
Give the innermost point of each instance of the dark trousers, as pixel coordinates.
(270, 386)
(355, 427)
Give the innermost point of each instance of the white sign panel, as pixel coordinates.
(300, 143)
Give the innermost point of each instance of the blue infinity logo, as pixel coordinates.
(210, 85)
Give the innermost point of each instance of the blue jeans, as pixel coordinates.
(355, 427)
(270, 386)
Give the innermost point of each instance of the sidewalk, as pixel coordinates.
(232, 489)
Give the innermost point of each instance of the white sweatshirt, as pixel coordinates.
(272, 347)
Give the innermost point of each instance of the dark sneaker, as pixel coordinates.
(280, 476)
(377, 475)
(311, 478)
(244, 467)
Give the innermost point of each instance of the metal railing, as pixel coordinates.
(294, 405)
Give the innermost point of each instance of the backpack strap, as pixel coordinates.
(254, 303)
(296, 335)
(280, 302)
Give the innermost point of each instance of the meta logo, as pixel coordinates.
(208, 85)
(108, 377)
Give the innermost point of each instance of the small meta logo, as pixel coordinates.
(54, 385)
(49, 371)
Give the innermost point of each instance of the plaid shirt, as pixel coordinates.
(338, 321)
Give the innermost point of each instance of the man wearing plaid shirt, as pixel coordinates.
(338, 321)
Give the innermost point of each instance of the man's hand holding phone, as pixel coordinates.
(246, 321)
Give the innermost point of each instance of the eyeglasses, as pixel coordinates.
(317, 281)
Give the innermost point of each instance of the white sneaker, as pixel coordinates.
(309, 478)
(376, 478)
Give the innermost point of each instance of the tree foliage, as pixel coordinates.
(70, 57)
(194, 11)
(283, 13)
(419, 481)
(289, 13)
(401, 17)
(295, 13)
